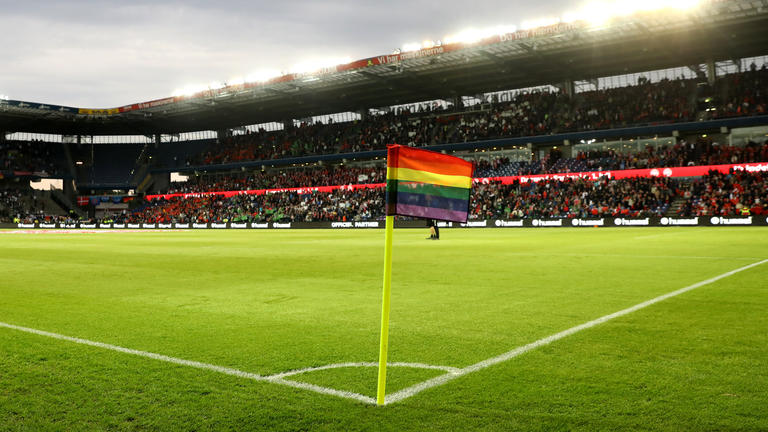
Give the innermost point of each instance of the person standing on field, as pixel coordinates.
(434, 230)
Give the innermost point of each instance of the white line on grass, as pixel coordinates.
(451, 374)
(448, 369)
(195, 364)
(278, 378)
(579, 255)
(442, 379)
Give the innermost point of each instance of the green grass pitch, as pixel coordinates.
(268, 302)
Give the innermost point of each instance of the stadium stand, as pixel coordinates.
(574, 198)
(342, 205)
(303, 177)
(703, 152)
(112, 163)
(11, 204)
(28, 157)
(530, 113)
(18, 204)
(741, 94)
(735, 194)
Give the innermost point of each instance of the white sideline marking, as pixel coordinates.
(451, 372)
(442, 379)
(577, 255)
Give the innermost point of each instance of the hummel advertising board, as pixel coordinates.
(714, 221)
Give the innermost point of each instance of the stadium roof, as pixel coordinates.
(715, 31)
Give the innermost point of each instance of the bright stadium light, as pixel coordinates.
(263, 75)
(411, 46)
(315, 65)
(189, 90)
(542, 22)
(599, 12)
(216, 85)
(3, 97)
(472, 35)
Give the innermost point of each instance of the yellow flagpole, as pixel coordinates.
(383, 344)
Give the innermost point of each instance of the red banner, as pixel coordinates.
(689, 171)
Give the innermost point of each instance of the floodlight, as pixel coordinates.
(263, 75)
(472, 35)
(541, 22)
(600, 12)
(190, 89)
(315, 65)
(411, 46)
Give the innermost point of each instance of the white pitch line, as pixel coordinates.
(323, 390)
(579, 255)
(278, 378)
(195, 364)
(451, 374)
(442, 379)
(448, 369)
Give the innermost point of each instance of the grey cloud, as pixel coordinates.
(109, 53)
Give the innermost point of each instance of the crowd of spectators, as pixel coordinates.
(23, 206)
(300, 177)
(701, 152)
(528, 113)
(31, 157)
(547, 199)
(12, 204)
(341, 205)
(637, 197)
(734, 194)
(740, 193)
(741, 94)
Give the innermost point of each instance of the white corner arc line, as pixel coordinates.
(323, 390)
(442, 379)
(281, 375)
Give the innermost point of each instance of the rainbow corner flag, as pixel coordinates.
(427, 184)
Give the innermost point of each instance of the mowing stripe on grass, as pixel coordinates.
(442, 379)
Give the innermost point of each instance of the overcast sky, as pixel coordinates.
(100, 54)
